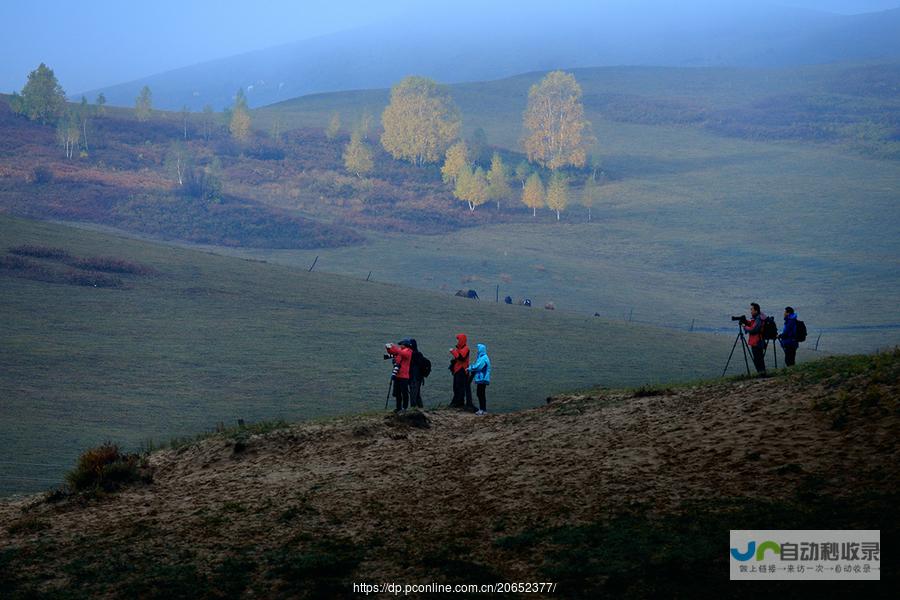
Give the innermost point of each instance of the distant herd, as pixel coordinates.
(473, 295)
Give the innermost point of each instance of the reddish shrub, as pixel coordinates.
(109, 264)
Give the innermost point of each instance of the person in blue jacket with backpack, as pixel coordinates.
(481, 368)
(788, 337)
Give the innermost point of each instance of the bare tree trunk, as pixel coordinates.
(84, 129)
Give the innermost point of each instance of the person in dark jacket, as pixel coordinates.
(459, 362)
(788, 337)
(416, 375)
(754, 328)
(481, 369)
(402, 359)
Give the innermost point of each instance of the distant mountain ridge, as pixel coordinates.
(500, 45)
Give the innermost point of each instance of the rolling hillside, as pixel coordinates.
(690, 159)
(189, 340)
(605, 493)
(502, 39)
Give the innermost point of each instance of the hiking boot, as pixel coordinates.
(479, 412)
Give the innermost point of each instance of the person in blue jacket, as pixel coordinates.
(481, 368)
(788, 336)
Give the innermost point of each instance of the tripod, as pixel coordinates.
(740, 338)
(774, 351)
(387, 399)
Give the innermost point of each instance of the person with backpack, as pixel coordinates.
(789, 337)
(419, 369)
(756, 338)
(459, 362)
(481, 368)
(402, 358)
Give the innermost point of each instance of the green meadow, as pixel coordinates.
(212, 339)
(692, 225)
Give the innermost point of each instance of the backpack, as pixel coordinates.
(424, 366)
(770, 329)
(801, 331)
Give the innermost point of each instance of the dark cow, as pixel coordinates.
(471, 294)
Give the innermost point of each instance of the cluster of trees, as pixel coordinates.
(421, 124)
(44, 100)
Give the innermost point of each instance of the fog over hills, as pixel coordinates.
(505, 39)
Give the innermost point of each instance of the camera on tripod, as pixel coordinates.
(741, 318)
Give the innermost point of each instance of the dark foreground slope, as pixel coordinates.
(616, 493)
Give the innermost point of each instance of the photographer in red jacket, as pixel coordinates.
(754, 329)
(459, 362)
(402, 358)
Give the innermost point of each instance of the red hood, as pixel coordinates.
(460, 340)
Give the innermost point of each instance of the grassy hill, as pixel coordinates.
(722, 185)
(849, 103)
(201, 339)
(625, 493)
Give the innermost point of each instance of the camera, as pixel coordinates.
(742, 319)
(386, 356)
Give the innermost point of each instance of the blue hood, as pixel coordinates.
(482, 349)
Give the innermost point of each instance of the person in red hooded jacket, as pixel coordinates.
(402, 358)
(459, 362)
(756, 341)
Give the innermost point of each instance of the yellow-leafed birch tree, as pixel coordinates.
(558, 193)
(420, 122)
(533, 194)
(557, 131)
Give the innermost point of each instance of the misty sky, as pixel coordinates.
(102, 42)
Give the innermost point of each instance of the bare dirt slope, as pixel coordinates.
(445, 496)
